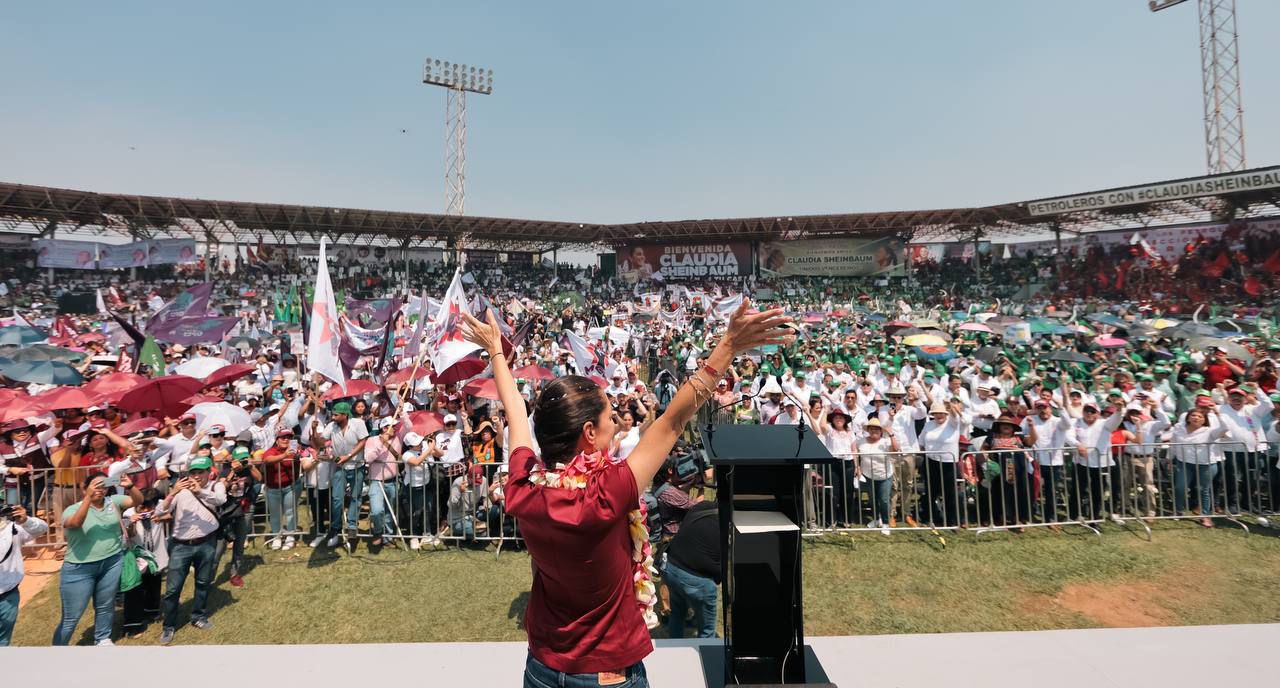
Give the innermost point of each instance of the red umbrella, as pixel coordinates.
(227, 374)
(137, 425)
(485, 388)
(402, 376)
(64, 398)
(112, 386)
(202, 399)
(354, 389)
(599, 380)
(163, 394)
(424, 423)
(534, 372)
(895, 325)
(19, 407)
(88, 337)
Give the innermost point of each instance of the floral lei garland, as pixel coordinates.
(575, 476)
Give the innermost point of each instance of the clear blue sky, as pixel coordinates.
(614, 112)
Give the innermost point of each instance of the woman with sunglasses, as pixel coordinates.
(579, 509)
(24, 458)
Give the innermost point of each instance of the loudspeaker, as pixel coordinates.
(78, 303)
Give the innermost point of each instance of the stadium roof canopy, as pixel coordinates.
(38, 209)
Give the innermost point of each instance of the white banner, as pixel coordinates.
(62, 253)
(1253, 180)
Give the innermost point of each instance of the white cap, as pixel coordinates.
(450, 418)
(388, 422)
(412, 439)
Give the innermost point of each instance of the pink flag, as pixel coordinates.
(324, 338)
(448, 346)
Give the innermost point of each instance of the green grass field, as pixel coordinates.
(869, 584)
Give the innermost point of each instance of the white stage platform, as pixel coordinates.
(1105, 658)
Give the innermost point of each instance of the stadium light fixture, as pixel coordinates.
(457, 79)
(1157, 5)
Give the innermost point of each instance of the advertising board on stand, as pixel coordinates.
(885, 256)
(673, 262)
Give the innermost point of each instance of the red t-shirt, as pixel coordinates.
(582, 615)
(280, 473)
(1216, 373)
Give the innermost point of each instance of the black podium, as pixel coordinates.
(760, 484)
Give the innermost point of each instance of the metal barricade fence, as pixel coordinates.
(887, 490)
(1167, 481)
(1025, 487)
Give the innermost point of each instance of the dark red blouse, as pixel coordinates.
(582, 615)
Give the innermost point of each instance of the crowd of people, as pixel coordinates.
(1034, 396)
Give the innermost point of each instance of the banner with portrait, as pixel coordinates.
(884, 256)
(64, 253)
(171, 251)
(664, 262)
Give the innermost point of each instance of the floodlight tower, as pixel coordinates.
(1220, 76)
(457, 79)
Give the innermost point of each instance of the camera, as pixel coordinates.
(6, 510)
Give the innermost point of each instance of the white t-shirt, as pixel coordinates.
(628, 442)
(876, 464)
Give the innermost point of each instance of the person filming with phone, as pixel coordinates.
(16, 530)
(193, 503)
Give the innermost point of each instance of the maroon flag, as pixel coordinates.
(193, 302)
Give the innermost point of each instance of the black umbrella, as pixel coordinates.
(1069, 356)
(987, 354)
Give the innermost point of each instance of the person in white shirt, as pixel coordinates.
(173, 451)
(1244, 416)
(1046, 434)
(1141, 433)
(1273, 449)
(1194, 447)
(1092, 440)
(984, 409)
(17, 529)
(419, 491)
(940, 441)
(904, 409)
(345, 437)
(875, 464)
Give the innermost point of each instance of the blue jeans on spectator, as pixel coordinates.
(282, 500)
(8, 615)
(464, 528)
(381, 501)
(338, 483)
(97, 579)
(1205, 473)
(539, 675)
(690, 591)
(181, 559)
(881, 490)
(422, 510)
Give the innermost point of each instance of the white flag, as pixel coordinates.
(723, 309)
(448, 346)
(102, 305)
(324, 338)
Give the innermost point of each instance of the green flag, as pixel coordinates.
(151, 355)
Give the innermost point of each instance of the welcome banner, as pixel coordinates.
(884, 256)
(683, 261)
(91, 255)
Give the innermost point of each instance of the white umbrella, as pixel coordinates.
(231, 417)
(201, 366)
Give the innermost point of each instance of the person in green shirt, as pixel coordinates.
(95, 553)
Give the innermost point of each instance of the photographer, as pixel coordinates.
(16, 530)
(692, 571)
(193, 502)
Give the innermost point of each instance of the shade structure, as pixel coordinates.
(355, 388)
(484, 388)
(924, 340)
(44, 352)
(136, 425)
(406, 374)
(1233, 349)
(21, 335)
(1068, 356)
(534, 372)
(112, 386)
(424, 423)
(42, 372)
(65, 398)
(232, 418)
(228, 373)
(201, 366)
(163, 395)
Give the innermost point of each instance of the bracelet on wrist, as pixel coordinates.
(715, 374)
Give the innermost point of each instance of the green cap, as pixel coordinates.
(240, 453)
(200, 463)
(342, 407)
(1195, 377)
(1114, 392)
(988, 369)
(1203, 393)
(1275, 396)
(1147, 376)
(800, 375)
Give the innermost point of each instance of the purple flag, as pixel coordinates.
(371, 312)
(193, 302)
(193, 330)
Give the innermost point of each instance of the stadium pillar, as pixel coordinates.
(977, 257)
(52, 229)
(404, 284)
(555, 261)
(1057, 243)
